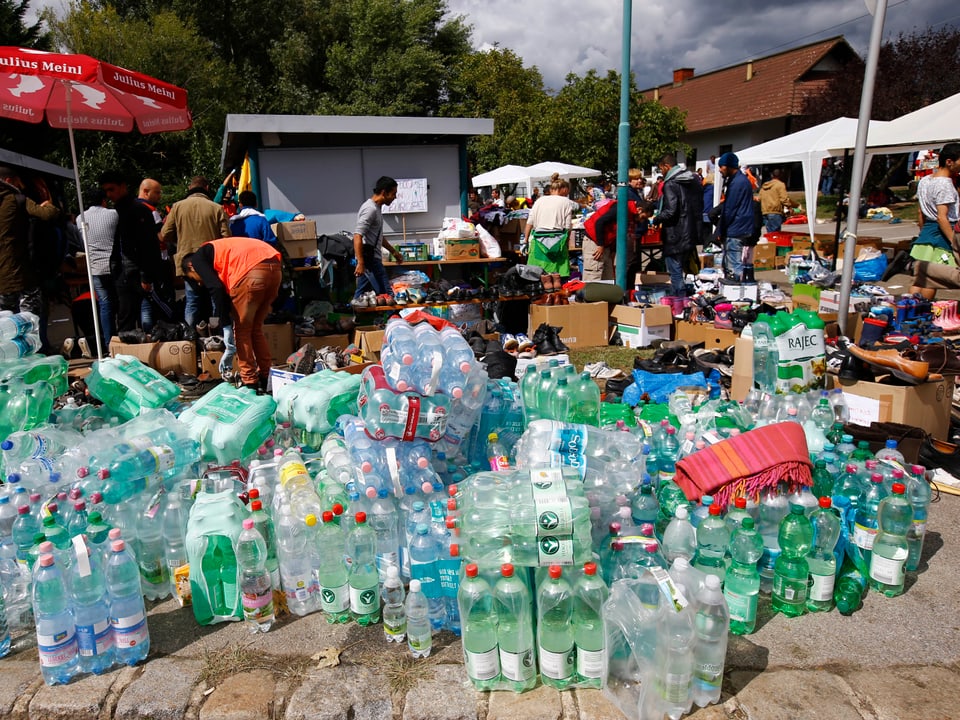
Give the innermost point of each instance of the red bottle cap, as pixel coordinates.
(714, 509)
(555, 571)
(590, 568)
(471, 570)
(899, 489)
(253, 493)
(740, 502)
(327, 516)
(256, 505)
(825, 502)
(337, 509)
(506, 570)
(361, 518)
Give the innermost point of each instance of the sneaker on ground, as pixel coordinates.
(602, 371)
(84, 348)
(510, 342)
(67, 348)
(213, 343)
(523, 342)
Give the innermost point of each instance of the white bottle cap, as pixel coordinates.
(414, 586)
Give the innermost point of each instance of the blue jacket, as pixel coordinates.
(737, 217)
(252, 224)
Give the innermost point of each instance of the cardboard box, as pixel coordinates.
(210, 363)
(651, 278)
(742, 381)
(341, 340)
(711, 337)
(581, 324)
(740, 291)
(806, 302)
(299, 238)
(369, 339)
(925, 406)
(461, 249)
(179, 357)
(765, 256)
(538, 363)
(279, 377)
(706, 260)
(638, 327)
(830, 302)
(802, 247)
(280, 339)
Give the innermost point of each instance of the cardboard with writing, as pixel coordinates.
(639, 327)
(925, 406)
(179, 357)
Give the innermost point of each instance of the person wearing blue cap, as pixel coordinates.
(736, 219)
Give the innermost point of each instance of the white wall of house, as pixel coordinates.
(709, 142)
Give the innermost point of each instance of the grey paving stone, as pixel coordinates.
(441, 695)
(162, 692)
(594, 705)
(245, 696)
(541, 703)
(346, 691)
(793, 694)
(920, 693)
(16, 676)
(79, 700)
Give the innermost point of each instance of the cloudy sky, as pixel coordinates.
(563, 36)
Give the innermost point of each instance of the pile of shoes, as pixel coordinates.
(519, 345)
(546, 340)
(675, 356)
(309, 359)
(192, 386)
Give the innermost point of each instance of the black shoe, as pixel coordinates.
(555, 339)
(940, 454)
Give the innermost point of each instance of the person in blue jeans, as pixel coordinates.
(679, 217)
(736, 218)
(368, 240)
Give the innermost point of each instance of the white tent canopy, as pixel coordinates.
(927, 127)
(808, 147)
(545, 170)
(517, 174)
(505, 175)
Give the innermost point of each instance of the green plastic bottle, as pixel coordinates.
(791, 570)
(822, 480)
(555, 641)
(363, 578)
(822, 562)
(890, 549)
(478, 623)
(742, 586)
(590, 593)
(514, 609)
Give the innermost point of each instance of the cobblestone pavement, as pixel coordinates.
(894, 659)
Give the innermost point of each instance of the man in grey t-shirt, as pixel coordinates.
(368, 239)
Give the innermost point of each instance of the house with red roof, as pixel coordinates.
(750, 103)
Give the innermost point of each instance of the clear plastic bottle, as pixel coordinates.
(713, 539)
(424, 566)
(736, 514)
(513, 608)
(711, 623)
(673, 659)
(680, 537)
(590, 593)
(88, 593)
(256, 587)
(25, 527)
(791, 570)
(479, 625)
(154, 575)
(890, 550)
(334, 587)
(919, 495)
(419, 632)
(821, 560)
(645, 507)
(841, 410)
(4, 629)
(823, 414)
(127, 614)
(264, 525)
(362, 578)
(890, 455)
(384, 519)
(701, 511)
(555, 640)
(497, 454)
(394, 615)
(765, 356)
(865, 519)
(773, 508)
(173, 530)
(56, 628)
(586, 405)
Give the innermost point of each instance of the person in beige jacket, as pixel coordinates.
(773, 199)
(192, 222)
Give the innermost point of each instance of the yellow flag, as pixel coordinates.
(244, 183)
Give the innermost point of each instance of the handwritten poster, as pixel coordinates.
(411, 196)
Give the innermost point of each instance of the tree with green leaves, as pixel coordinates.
(14, 30)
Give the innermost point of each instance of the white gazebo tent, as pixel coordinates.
(927, 127)
(808, 147)
(504, 175)
(545, 170)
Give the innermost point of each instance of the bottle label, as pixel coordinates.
(553, 550)
(290, 470)
(130, 631)
(570, 448)
(164, 457)
(298, 587)
(919, 528)
(420, 643)
(668, 588)
(364, 601)
(821, 589)
(335, 599)
(709, 675)
(95, 639)
(517, 667)
(554, 514)
(863, 536)
(151, 571)
(394, 626)
(449, 572)
(676, 687)
(57, 649)
(499, 463)
(888, 571)
(256, 597)
(556, 665)
(426, 573)
(790, 590)
(743, 608)
(482, 665)
(590, 663)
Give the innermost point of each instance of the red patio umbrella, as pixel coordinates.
(78, 91)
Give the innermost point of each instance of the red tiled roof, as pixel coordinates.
(776, 90)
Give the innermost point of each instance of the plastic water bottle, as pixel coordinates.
(773, 508)
(701, 511)
(98, 534)
(449, 568)
(668, 455)
(711, 623)
(742, 585)
(88, 593)
(890, 549)
(173, 530)
(256, 587)
(673, 659)
(25, 527)
(497, 454)
(332, 570)
(394, 615)
(363, 580)
(424, 559)
(479, 625)
(766, 357)
(680, 537)
(128, 618)
(419, 631)
(919, 494)
(645, 507)
(791, 570)
(384, 520)
(151, 554)
(713, 538)
(823, 415)
(513, 609)
(821, 560)
(586, 404)
(4, 629)
(296, 556)
(736, 514)
(890, 455)
(555, 641)
(590, 593)
(865, 519)
(264, 525)
(56, 627)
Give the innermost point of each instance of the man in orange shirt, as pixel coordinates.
(243, 278)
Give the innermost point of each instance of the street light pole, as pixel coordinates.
(623, 150)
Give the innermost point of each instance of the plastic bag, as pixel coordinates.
(457, 228)
(659, 386)
(869, 266)
(489, 247)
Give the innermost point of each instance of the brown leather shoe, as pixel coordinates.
(546, 279)
(941, 359)
(891, 361)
